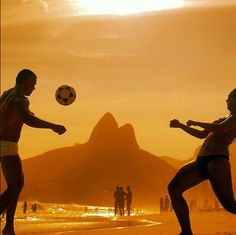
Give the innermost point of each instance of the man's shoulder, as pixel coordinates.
(13, 95)
(6, 93)
(21, 100)
(9, 97)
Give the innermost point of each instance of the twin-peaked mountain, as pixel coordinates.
(88, 173)
(107, 133)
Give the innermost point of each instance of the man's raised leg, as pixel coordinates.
(219, 173)
(12, 170)
(187, 177)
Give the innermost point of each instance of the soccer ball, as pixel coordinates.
(65, 95)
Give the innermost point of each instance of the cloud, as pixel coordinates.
(42, 3)
(209, 2)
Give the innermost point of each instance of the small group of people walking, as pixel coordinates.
(120, 197)
(34, 207)
(165, 205)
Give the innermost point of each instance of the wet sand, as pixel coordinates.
(73, 220)
(211, 223)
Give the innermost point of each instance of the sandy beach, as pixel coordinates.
(56, 219)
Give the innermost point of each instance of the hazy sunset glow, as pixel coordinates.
(122, 7)
(145, 69)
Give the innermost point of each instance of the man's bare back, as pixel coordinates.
(9, 109)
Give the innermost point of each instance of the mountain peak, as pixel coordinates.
(106, 127)
(108, 118)
(127, 135)
(107, 133)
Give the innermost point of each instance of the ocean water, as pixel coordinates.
(70, 217)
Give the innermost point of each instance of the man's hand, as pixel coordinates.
(175, 123)
(59, 129)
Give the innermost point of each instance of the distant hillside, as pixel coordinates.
(176, 163)
(204, 190)
(88, 173)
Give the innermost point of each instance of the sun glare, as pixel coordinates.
(123, 7)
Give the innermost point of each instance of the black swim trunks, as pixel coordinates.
(203, 162)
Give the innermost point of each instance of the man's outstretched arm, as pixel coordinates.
(29, 119)
(226, 125)
(201, 134)
(36, 122)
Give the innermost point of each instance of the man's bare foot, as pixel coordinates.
(8, 231)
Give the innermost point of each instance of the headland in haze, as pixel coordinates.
(88, 173)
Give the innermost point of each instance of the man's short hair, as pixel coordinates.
(24, 75)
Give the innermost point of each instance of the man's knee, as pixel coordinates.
(174, 189)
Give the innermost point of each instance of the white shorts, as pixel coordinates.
(8, 148)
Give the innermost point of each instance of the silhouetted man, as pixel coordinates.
(212, 163)
(122, 196)
(14, 112)
(34, 207)
(128, 199)
(25, 207)
(117, 200)
(161, 205)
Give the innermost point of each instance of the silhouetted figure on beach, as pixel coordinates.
(117, 199)
(25, 207)
(34, 207)
(122, 196)
(212, 163)
(161, 205)
(14, 112)
(128, 200)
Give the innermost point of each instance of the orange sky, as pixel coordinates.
(144, 68)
